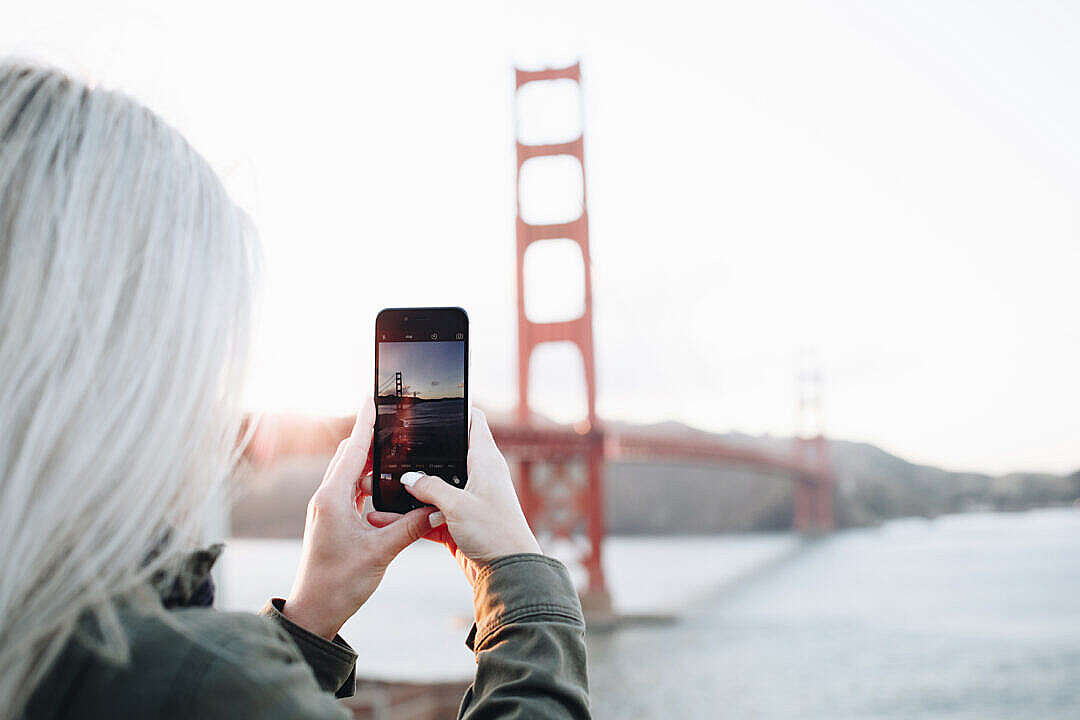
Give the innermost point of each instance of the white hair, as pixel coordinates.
(126, 280)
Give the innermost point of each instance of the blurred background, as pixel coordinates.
(812, 448)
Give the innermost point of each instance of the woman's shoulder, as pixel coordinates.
(226, 637)
(180, 663)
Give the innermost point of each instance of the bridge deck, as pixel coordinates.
(553, 443)
(279, 436)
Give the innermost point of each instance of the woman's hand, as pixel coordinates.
(344, 557)
(481, 522)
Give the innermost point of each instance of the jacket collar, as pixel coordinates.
(191, 585)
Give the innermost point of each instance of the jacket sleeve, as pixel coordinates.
(529, 640)
(334, 663)
(263, 668)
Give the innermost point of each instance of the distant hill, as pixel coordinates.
(872, 486)
(676, 498)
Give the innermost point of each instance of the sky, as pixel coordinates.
(431, 370)
(887, 187)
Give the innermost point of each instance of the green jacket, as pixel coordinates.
(200, 663)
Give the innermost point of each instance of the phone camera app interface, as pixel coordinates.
(420, 400)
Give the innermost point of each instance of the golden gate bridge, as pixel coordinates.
(560, 469)
(393, 385)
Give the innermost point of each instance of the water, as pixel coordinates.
(970, 616)
(422, 427)
(963, 617)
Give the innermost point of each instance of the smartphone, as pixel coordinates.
(421, 400)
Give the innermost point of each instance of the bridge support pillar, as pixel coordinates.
(561, 493)
(812, 499)
(802, 519)
(824, 520)
(562, 489)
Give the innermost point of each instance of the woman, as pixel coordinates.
(125, 285)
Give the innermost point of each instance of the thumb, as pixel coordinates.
(404, 531)
(431, 489)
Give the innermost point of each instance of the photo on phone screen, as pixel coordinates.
(421, 398)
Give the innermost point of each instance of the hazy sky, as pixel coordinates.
(428, 369)
(893, 185)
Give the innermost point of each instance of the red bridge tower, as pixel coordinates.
(564, 495)
(812, 499)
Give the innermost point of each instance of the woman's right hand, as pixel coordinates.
(482, 521)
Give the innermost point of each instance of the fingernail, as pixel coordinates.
(436, 519)
(409, 479)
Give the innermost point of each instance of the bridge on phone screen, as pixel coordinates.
(560, 469)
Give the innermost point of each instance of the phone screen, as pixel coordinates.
(421, 399)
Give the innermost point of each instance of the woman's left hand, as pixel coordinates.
(344, 557)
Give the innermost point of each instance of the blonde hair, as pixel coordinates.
(126, 277)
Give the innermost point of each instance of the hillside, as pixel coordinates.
(872, 485)
(670, 498)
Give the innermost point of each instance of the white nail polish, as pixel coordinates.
(436, 519)
(409, 479)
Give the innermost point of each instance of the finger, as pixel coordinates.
(480, 433)
(350, 465)
(369, 464)
(404, 531)
(481, 442)
(334, 460)
(363, 491)
(381, 518)
(432, 489)
(440, 535)
(482, 447)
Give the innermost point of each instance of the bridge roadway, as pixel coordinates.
(284, 435)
